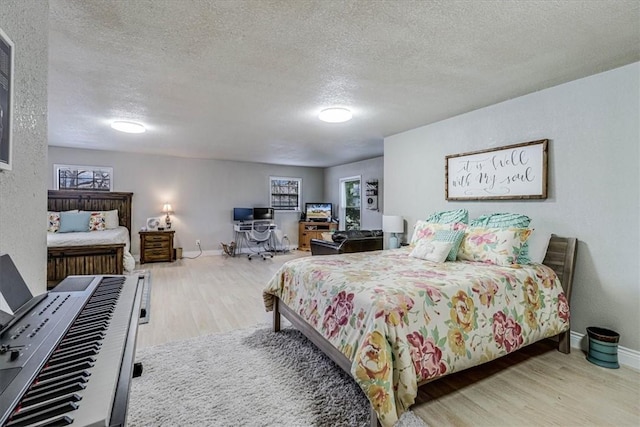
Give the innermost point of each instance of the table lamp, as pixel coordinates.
(168, 210)
(393, 224)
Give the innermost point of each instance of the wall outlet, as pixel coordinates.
(197, 242)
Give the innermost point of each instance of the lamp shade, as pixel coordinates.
(167, 208)
(392, 224)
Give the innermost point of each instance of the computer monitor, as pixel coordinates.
(262, 213)
(242, 214)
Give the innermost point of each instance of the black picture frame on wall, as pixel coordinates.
(6, 100)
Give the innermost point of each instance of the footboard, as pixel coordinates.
(78, 260)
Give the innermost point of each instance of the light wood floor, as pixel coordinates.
(536, 386)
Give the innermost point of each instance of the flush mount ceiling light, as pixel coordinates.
(128, 127)
(335, 115)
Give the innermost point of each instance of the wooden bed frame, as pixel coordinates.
(560, 256)
(63, 261)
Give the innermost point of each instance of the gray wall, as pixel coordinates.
(22, 190)
(594, 184)
(367, 169)
(202, 192)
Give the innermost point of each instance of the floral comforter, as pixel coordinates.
(403, 321)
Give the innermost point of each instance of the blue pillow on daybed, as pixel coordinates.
(70, 222)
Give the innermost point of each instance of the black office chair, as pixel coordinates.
(260, 234)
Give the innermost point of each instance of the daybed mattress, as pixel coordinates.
(89, 238)
(403, 321)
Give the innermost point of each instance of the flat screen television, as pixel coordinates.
(320, 212)
(242, 214)
(262, 213)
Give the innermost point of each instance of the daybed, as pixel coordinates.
(395, 322)
(96, 252)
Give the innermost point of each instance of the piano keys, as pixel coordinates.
(69, 359)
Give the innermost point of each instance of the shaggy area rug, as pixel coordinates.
(249, 377)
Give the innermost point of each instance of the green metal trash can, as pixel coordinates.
(603, 347)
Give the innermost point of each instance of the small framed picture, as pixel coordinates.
(152, 224)
(73, 177)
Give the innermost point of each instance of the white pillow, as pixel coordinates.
(431, 250)
(111, 219)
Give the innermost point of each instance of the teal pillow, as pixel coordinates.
(449, 217)
(70, 222)
(503, 220)
(450, 236)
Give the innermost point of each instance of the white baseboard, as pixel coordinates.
(626, 356)
(192, 254)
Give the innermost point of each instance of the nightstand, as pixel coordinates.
(156, 246)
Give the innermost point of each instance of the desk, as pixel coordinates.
(242, 232)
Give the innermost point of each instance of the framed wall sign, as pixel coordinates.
(72, 177)
(516, 171)
(6, 100)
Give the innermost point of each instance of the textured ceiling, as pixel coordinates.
(245, 80)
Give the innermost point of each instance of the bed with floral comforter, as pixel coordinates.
(402, 321)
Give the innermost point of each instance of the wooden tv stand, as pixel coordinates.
(313, 230)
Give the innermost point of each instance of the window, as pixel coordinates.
(350, 203)
(286, 193)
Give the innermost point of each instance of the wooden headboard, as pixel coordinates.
(65, 200)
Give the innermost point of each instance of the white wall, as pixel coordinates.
(367, 169)
(22, 190)
(202, 192)
(593, 125)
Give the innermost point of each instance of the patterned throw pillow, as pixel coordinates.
(499, 246)
(506, 220)
(449, 217)
(450, 236)
(431, 250)
(427, 230)
(54, 221)
(97, 221)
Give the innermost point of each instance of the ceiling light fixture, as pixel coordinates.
(128, 127)
(335, 115)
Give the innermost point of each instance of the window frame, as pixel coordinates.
(343, 208)
(285, 207)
